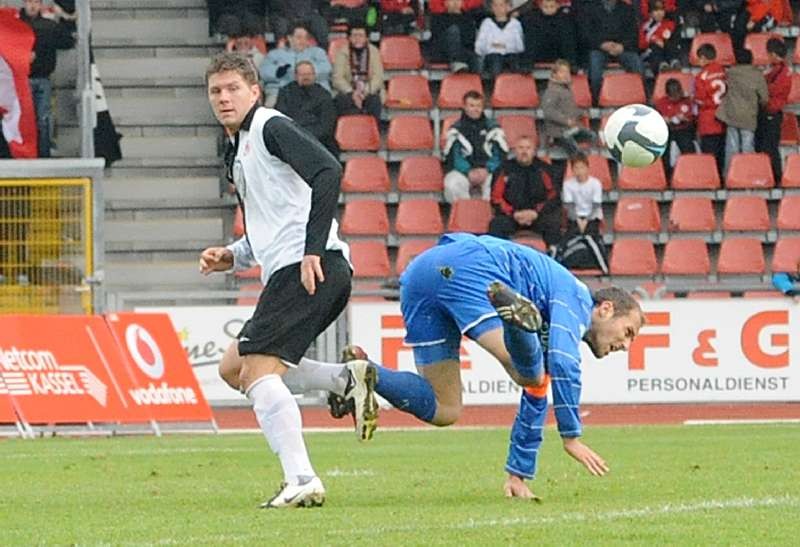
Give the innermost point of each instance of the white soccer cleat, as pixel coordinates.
(361, 389)
(311, 493)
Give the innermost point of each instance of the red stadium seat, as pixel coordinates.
(750, 172)
(254, 290)
(453, 88)
(370, 259)
(334, 46)
(721, 42)
(650, 178)
(790, 132)
(692, 214)
(249, 273)
(791, 172)
(637, 214)
(685, 78)
(620, 89)
(366, 217)
(756, 42)
(708, 295)
(410, 92)
(358, 133)
(598, 168)
(366, 174)
(695, 172)
(686, 257)
(518, 125)
(786, 254)
(794, 92)
(418, 217)
(789, 213)
(400, 53)
(633, 257)
(515, 91)
(745, 213)
(410, 133)
(238, 222)
(581, 91)
(446, 123)
(741, 255)
(470, 215)
(409, 249)
(762, 294)
(420, 174)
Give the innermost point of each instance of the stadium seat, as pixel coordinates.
(794, 92)
(789, 213)
(366, 174)
(598, 168)
(453, 88)
(637, 214)
(651, 178)
(470, 215)
(751, 171)
(254, 290)
(366, 217)
(238, 222)
(685, 78)
(446, 123)
(515, 91)
(708, 295)
(741, 255)
(249, 273)
(334, 46)
(756, 42)
(762, 294)
(409, 92)
(418, 217)
(790, 132)
(686, 257)
(633, 257)
(400, 53)
(420, 174)
(358, 133)
(409, 249)
(619, 89)
(581, 91)
(370, 259)
(791, 171)
(745, 213)
(721, 42)
(695, 172)
(692, 214)
(518, 125)
(410, 133)
(786, 254)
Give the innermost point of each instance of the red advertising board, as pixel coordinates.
(7, 415)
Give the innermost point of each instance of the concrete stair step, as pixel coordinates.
(111, 50)
(156, 111)
(159, 189)
(166, 167)
(153, 71)
(190, 148)
(169, 230)
(178, 275)
(175, 31)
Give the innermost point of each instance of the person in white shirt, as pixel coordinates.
(499, 41)
(582, 196)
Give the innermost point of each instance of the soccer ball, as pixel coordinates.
(636, 135)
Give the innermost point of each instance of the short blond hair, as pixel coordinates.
(559, 63)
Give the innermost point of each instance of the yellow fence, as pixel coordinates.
(45, 245)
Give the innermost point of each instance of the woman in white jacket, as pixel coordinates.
(499, 41)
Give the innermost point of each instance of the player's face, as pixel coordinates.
(609, 333)
(231, 98)
(549, 7)
(474, 108)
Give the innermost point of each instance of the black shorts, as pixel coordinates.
(287, 319)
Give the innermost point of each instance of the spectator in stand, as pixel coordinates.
(453, 37)
(549, 34)
(51, 35)
(709, 87)
(788, 283)
(398, 16)
(582, 196)
(764, 15)
(747, 92)
(727, 16)
(474, 149)
(524, 196)
(219, 12)
(358, 75)
(284, 15)
(658, 40)
(770, 118)
(310, 105)
(677, 110)
(562, 117)
(245, 35)
(278, 66)
(609, 29)
(500, 41)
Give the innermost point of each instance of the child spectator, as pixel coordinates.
(453, 37)
(562, 125)
(747, 92)
(583, 199)
(676, 109)
(658, 40)
(770, 118)
(709, 87)
(499, 40)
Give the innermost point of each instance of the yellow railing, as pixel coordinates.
(46, 242)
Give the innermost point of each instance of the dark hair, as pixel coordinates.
(673, 85)
(305, 62)
(579, 157)
(298, 25)
(743, 56)
(657, 5)
(233, 61)
(776, 46)
(623, 301)
(707, 51)
(357, 25)
(472, 94)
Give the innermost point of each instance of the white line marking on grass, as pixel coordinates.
(743, 421)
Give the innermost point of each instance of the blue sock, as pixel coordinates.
(525, 349)
(408, 392)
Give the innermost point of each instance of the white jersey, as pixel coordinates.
(587, 197)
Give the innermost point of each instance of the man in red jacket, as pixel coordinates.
(779, 82)
(709, 88)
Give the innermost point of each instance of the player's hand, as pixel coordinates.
(311, 272)
(515, 487)
(216, 259)
(590, 459)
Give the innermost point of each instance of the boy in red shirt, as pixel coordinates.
(657, 40)
(709, 88)
(770, 118)
(677, 110)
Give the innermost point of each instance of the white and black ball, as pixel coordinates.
(636, 135)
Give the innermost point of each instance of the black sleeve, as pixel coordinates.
(316, 166)
(327, 118)
(62, 36)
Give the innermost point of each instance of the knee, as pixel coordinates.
(446, 415)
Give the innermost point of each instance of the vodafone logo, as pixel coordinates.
(144, 351)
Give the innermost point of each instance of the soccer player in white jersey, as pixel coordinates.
(288, 187)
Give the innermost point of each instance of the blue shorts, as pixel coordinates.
(443, 296)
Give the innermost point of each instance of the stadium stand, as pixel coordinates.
(514, 91)
(410, 133)
(786, 255)
(420, 174)
(685, 78)
(401, 53)
(453, 88)
(741, 256)
(749, 172)
(745, 214)
(409, 92)
(686, 257)
(470, 215)
(633, 257)
(409, 249)
(695, 172)
(637, 215)
(619, 89)
(418, 217)
(370, 260)
(367, 175)
(692, 214)
(651, 178)
(358, 133)
(518, 125)
(789, 214)
(367, 217)
(721, 42)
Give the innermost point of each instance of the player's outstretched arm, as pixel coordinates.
(590, 459)
(216, 259)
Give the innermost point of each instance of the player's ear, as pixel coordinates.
(606, 309)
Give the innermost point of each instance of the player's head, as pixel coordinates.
(674, 89)
(304, 73)
(473, 104)
(776, 49)
(580, 166)
(233, 89)
(524, 150)
(357, 35)
(299, 38)
(549, 7)
(706, 54)
(616, 320)
(32, 7)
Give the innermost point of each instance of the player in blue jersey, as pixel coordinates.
(523, 308)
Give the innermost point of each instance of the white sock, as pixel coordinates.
(279, 417)
(312, 375)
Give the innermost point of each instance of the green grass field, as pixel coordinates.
(723, 485)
